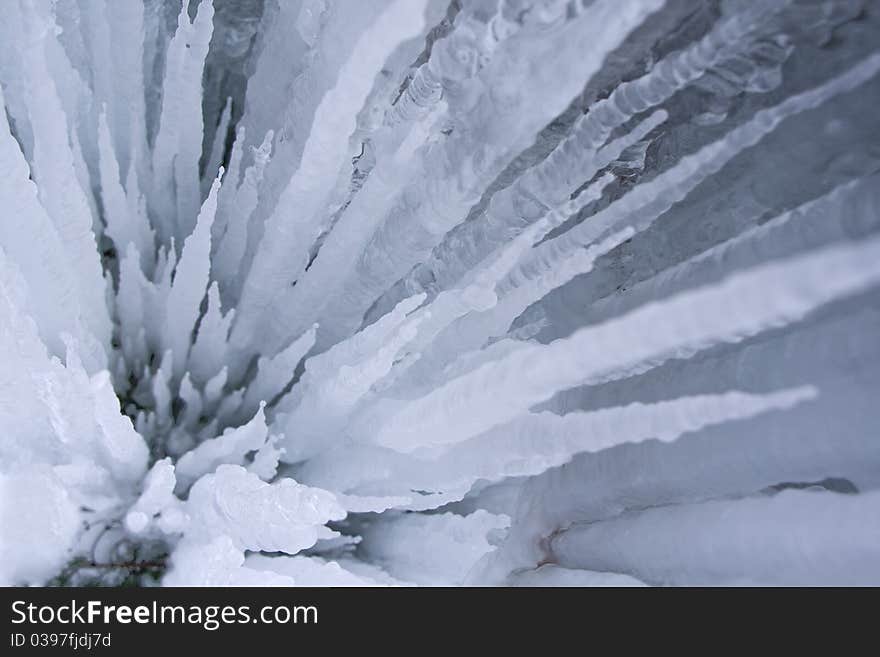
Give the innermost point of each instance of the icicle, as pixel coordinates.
(30, 239)
(228, 192)
(14, 79)
(742, 305)
(190, 283)
(454, 175)
(208, 353)
(273, 374)
(650, 200)
(278, 40)
(855, 203)
(475, 330)
(326, 33)
(215, 158)
(25, 428)
(231, 448)
(283, 252)
(335, 382)
(535, 442)
(127, 76)
(455, 58)
(124, 227)
(522, 204)
(161, 389)
(539, 441)
(458, 56)
(797, 446)
(215, 385)
(178, 143)
(54, 170)
(476, 293)
(192, 404)
(556, 262)
(235, 208)
(62, 433)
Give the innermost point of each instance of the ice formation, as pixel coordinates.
(439, 292)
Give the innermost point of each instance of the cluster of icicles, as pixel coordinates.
(537, 292)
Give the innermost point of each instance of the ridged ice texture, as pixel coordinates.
(440, 292)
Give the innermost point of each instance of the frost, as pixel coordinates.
(48, 525)
(232, 510)
(279, 517)
(432, 292)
